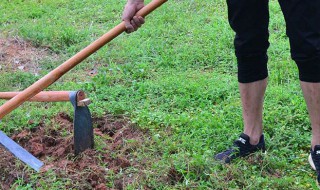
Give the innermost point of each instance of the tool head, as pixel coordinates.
(83, 129)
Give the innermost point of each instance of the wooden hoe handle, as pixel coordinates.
(72, 62)
(46, 96)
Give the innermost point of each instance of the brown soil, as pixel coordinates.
(174, 176)
(54, 145)
(18, 54)
(7, 174)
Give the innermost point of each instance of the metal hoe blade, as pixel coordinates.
(20, 152)
(83, 129)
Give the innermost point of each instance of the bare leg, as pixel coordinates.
(311, 92)
(252, 95)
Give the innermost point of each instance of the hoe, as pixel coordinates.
(53, 76)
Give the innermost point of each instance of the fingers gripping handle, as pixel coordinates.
(72, 62)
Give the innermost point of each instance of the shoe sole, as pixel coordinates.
(223, 161)
(311, 162)
(313, 167)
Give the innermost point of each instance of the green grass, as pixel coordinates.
(175, 77)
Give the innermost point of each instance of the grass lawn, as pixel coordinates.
(173, 84)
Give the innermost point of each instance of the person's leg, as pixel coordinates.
(303, 29)
(302, 18)
(252, 95)
(311, 92)
(251, 140)
(249, 19)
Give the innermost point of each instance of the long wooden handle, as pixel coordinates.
(72, 62)
(44, 96)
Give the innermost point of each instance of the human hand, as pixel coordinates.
(132, 22)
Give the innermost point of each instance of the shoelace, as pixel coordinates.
(244, 149)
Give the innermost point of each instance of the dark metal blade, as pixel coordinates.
(83, 129)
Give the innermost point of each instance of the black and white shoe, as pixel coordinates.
(314, 160)
(241, 148)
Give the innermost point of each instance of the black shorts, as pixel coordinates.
(250, 20)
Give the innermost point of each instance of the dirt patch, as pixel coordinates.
(174, 176)
(18, 54)
(54, 145)
(7, 175)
